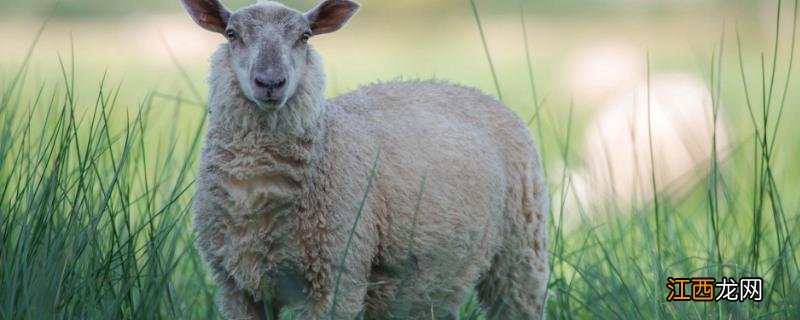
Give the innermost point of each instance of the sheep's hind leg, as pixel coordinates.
(515, 286)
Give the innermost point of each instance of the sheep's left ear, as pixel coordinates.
(209, 14)
(331, 15)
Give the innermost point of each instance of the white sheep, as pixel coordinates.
(440, 184)
(593, 72)
(674, 112)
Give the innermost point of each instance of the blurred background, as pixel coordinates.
(590, 56)
(673, 117)
(581, 49)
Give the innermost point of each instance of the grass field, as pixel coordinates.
(98, 156)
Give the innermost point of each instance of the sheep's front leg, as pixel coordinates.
(348, 303)
(236, 304)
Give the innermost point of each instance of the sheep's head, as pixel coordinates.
(268, 42)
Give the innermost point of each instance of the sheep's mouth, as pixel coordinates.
(269, 104)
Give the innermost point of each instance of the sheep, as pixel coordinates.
(396, 200)
(593, 72)
(617, 148)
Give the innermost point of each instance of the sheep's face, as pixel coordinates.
(268, 51)
(268, 43)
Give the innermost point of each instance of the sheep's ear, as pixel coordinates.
(331, 15)
(209, 14)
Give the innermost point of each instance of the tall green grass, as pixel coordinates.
(94, 218)
(95, 204)
(736, 222)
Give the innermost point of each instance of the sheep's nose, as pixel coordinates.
(270, 83)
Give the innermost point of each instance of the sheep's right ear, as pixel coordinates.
(209, 14)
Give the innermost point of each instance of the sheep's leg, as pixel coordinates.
(236, 304)
(348, 306)
(349, 302)
(233, 303)
(515, 287)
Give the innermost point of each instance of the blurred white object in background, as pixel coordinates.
(617, 171)
(154, 36)
(594, 72)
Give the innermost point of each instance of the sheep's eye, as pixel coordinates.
(231, 35)
(305, 36)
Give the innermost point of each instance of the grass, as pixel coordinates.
(94, 220)
(618, 268)
(95, 203)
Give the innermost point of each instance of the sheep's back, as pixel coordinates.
(416, 111)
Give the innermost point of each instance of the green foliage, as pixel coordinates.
(737, 222)
(93, 221)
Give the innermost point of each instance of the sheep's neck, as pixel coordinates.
(267, 160)
(257, 148)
